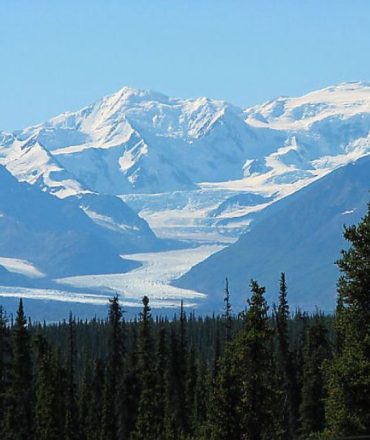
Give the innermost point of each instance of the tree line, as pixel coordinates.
(264, 373)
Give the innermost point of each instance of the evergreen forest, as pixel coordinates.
(262, 373)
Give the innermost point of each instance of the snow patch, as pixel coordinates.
(21, 266)
(350, 211)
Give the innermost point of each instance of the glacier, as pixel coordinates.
(156, 173)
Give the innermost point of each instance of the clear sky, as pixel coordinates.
(59, 55)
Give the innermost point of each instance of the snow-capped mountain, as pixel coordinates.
(324, 129)
(343, 101)
(198, 169)
(141, 141)
(290, 143)
(137, 141)
(29, 161)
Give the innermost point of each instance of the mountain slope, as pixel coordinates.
(142, 141)
(121, 227)
(138, 141)
(300, 235)
(344, 100)
(29, 161)
(8, 278)
(55, 235)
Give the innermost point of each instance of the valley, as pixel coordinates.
(154, 276)
(130, 193)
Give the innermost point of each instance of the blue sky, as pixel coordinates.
(62, 55)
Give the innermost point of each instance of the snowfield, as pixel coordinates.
(53, 295)
(21, 266)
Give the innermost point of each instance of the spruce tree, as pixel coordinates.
(190, 391)
(19, 423)
(174, 391)
(300, 323)
(86, 400)
(110, 424)
(71, 428)
(161, 375)
(61, 391)
(255, 360)
(5, 357)
(129, 391)
(217, 352)
(95, 409)
(244, 399)
(183, 360)
(286, 366)
(46, 408)
(224, 419)
(202, 401)
(348, 402)
(227, 312)
(316, 352)
(146, 423)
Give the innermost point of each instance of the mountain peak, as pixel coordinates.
(344, 100)
(142, 140)
(131, 95)
(349, 85)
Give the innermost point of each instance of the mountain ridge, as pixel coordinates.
(148, 142)
(300, 235)
(197, 170)
(53, 234)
